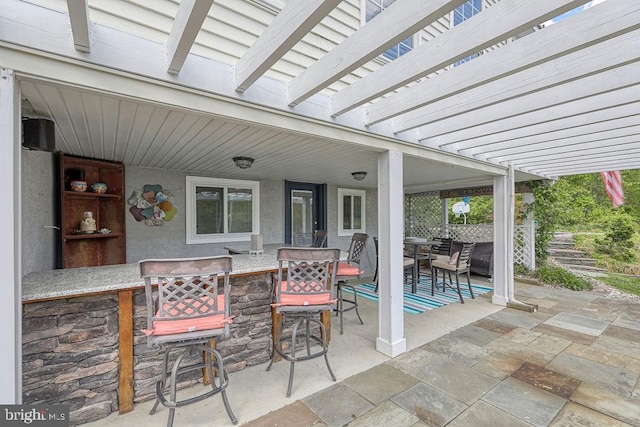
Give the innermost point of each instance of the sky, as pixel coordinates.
(573, 12)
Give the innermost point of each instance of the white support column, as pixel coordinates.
(444, 203)
(530, 225)
(10, 259)
(391, 340)
(503, 218)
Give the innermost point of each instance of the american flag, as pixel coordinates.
(613, 185)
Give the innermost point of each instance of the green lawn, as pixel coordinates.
(629, 284)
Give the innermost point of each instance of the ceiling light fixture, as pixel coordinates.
(243, 162)
(359, 176)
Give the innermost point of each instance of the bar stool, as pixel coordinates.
(349, 270)
(186, 312)
(301, 293)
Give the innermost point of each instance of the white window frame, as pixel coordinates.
(415, 39)
(192, 182)
(363, 211)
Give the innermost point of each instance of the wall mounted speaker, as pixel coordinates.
(39, 134)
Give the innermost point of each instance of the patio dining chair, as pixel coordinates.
(407, 265)
(301, 292)
(443, 250)
(458, 263)
(350, 270)
(319, 239)
(185, 312)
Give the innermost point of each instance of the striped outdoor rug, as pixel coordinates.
(422, 300)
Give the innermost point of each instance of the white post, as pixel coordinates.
(444, 203)
(10, 226)
(503, 219)
(530, 227)
(391, 340)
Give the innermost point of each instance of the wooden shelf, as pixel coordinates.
(108, 209)
(91, 236)
(69, 193)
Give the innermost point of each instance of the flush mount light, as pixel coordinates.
(243, 162)
(359, 176)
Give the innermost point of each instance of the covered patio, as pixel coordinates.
(175, 89)
(475, 364)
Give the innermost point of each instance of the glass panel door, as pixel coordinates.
(305, 212)
(302, 221)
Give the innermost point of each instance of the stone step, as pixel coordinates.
(588, 268)
(568, 253)
(560, 244)
(574, 260)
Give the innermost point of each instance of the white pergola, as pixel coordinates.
(309, 95)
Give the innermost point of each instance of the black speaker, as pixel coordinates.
(38, 134)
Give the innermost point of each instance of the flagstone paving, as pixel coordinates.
(575, 362)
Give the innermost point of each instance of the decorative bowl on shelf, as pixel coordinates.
(79, 185)
(104, 231)
(99, 187)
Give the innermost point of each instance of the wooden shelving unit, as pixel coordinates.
(85, 250)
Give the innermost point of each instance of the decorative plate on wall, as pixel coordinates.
(152, 205)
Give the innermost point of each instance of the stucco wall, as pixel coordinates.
(39, 211)
(169, 240)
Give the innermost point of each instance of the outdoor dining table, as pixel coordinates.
(414, 244)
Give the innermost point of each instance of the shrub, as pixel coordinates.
(521, 270)
(558, 276)
(618, 240)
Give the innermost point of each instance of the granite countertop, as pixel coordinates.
(53, 284)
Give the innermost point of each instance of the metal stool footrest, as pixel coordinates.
(303, 320)
(352, 304)
(210, 354)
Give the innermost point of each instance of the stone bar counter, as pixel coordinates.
(82, 344)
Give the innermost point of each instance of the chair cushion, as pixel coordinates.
(443, 264)
(175, 325)
(346, 269)
(408, 262)
(303, 299)
(454, 258)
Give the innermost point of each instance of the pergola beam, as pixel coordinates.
(550, 75)
(189, 19)
(506, 146)
(623, 77)
(399, 21)
(290, 25)
(79, 18)
(624, 154)
(527, 52)
(546, 150)
(575, 114)
(594, 166)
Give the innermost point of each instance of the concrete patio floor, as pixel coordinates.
(575, 362)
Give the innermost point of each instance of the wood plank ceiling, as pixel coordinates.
(561, 100)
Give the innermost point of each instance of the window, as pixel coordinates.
(461, 14)
(371, 9)
(351, 211)
(221, 210)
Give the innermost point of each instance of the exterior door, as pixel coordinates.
(305, 211)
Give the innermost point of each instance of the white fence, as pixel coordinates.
(423, 218)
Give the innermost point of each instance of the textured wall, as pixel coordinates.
(39, 210)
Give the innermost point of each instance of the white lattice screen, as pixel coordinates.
(423, 218)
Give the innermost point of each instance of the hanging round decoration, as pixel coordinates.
(152, 205)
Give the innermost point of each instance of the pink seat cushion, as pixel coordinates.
(345, 269)
(303, 299)
(175, 325)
